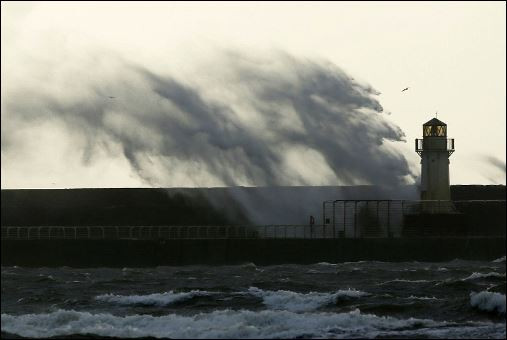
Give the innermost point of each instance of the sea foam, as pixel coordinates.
(241, 324)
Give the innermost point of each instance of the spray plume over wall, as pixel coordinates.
(250, 122)
(239, 120)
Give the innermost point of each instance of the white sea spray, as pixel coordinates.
(488, 301)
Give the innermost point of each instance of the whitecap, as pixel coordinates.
(157, 299)
(476, 275)
(300, 302)
(412, 297)
(488, 301)
(327, 264)
(249, 265)
(402, 280)
(501, 259)
(47, 277)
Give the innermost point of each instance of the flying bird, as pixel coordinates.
(406, 88)
(111, 97)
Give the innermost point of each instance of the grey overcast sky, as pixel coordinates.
(451, 55)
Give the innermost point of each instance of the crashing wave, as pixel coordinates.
(499, 260)
(300, 302)
(157, 299)
(241, 324)
(488, 301)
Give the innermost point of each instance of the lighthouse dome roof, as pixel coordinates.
(435, 121)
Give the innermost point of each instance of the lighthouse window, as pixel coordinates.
(440, 131)
(434, 130)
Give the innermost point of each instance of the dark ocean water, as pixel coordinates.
(456, 299)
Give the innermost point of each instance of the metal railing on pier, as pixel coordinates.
(340, 219)
(160, 232)
(383, 218)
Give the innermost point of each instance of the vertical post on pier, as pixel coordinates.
(334, 216)
(389, 218)
(344, 218)
(355, 219)
(323, 213)
(378, 220)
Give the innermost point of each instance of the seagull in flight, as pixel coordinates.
(111, 97)
(406, 88)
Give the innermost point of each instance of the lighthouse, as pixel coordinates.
(435, 149)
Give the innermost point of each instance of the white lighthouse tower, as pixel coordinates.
(435, 149)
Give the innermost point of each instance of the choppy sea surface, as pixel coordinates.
(456, 299)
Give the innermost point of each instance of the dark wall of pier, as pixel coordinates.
(477, 192)
(483, 218)
(138, 253)
(113, 207)
(203, 206)
(180, 206)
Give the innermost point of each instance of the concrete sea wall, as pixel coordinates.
(139, 253)
(206, 206)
